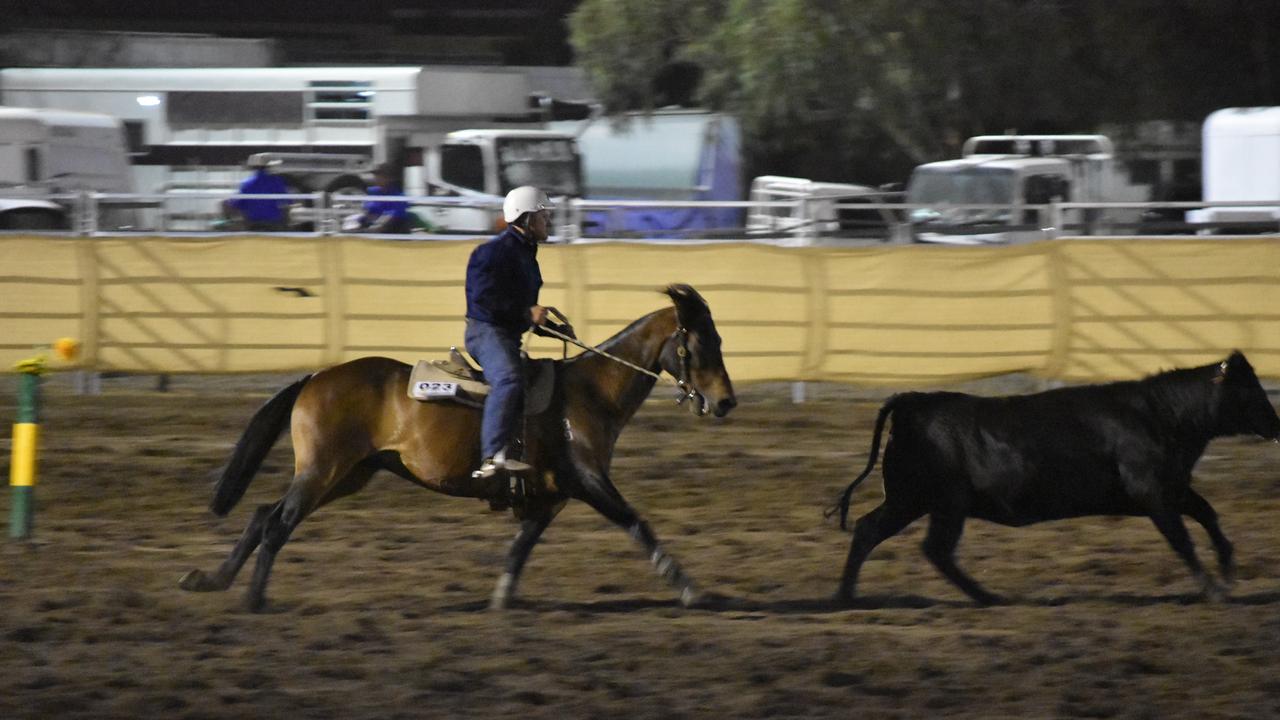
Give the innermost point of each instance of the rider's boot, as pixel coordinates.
(506, 478)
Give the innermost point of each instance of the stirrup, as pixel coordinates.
(487, 470)
(502, 463)
(492, 468)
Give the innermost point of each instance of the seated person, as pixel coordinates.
(386, 216)
(266, 215)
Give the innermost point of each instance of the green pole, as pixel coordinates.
(26, 431)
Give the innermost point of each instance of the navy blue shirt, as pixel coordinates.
(503, 281)
(396, 209)
(262, 183)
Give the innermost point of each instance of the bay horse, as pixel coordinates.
(353, 419)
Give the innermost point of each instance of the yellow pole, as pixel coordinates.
(26, 433)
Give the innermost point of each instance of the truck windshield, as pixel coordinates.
(551, 164)
(967, 186)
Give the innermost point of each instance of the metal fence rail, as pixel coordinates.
(799, 221)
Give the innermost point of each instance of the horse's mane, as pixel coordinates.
(626, 332)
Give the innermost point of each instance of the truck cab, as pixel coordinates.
(473, 170)
(981, 200)
(997, 190)
(47, 156)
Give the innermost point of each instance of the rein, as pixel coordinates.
(687, 392)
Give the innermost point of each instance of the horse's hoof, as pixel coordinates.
(255, 605)
(989, 600)
(1229, 576)
(843, 598)
(690, 597)
(1214, 593)
(195, 581)
(503, 592)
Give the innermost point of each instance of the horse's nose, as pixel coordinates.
(724, 406)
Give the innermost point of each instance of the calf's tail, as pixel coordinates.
(251, 449)
(842, 504)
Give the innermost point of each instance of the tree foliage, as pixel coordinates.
(862, 90)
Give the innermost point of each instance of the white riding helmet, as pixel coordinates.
(523, 199)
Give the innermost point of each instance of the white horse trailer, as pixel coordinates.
(191, 129)
(1241, 163)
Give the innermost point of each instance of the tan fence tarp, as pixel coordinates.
(1080, 310)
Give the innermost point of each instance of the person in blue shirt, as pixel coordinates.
(503, 280)
(386, 216)
(264, 215)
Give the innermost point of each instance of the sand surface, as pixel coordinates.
(377, 605)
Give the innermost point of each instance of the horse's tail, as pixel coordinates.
(252, 447)
(842, 504)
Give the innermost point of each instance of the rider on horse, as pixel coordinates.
(503, 280)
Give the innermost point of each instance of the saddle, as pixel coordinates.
(454, 379)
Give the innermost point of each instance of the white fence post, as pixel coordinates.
(798, 392)
(1055, 220)
(88, 213)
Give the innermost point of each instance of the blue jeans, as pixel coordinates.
(498, 352)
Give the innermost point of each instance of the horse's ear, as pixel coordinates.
(689, 304)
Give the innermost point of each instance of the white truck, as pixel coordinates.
(1241, 163)
(472, 170)
(996, 191)
(819, 210)
(48, 156)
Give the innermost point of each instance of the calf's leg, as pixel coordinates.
(1199, 509)
(869, 531)
(1170, 525)
(940, 547)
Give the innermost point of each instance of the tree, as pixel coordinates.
(862, 90)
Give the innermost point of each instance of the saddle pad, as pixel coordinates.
(429, 382)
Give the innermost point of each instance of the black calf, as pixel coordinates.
(1124, 448)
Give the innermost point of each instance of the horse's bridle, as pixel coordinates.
(686, 389)
(683, 383)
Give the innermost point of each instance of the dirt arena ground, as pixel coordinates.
(377, 604)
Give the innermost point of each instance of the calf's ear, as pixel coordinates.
(1235, 363)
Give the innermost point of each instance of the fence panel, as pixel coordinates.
(908, 316)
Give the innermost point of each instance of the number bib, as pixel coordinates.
(435, 390)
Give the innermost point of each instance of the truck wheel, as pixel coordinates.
(33, 220)
(346, 185)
